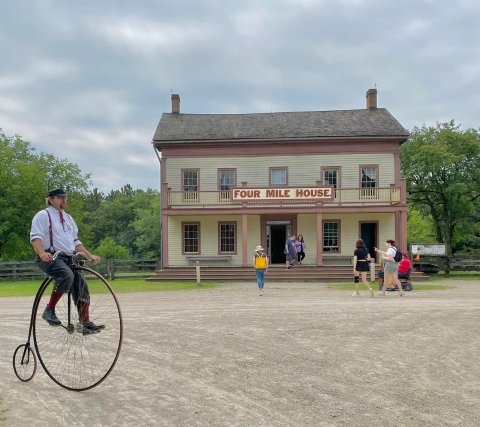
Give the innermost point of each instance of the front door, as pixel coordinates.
(368, 233)
(278, 236)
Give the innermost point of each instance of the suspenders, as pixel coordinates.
(51, 249)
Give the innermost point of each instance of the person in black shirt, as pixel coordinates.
(361, 266)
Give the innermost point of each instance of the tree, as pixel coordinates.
(147, 228)
(420, 229)
(442, 167)
(109, 249)
(117, 214)
(25, 177)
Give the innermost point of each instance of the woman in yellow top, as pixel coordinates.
(260, 264)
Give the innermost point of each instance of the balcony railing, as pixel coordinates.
(341, 197)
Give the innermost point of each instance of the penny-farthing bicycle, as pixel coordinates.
(73, 358)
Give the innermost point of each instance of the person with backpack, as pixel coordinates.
(390, 270)
(260, 264)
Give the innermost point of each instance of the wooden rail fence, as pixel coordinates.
(110, 269)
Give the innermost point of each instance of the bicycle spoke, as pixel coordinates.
(74, 360)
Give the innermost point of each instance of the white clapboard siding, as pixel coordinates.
(302, 170)
(209, 237)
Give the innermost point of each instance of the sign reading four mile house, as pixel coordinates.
(292, 193)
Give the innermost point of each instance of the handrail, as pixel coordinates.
(341, 196)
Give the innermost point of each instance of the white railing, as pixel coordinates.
(342, 196)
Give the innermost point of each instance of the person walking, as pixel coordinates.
(290, 252)
(361, 266)
(390, 271)
(260, 264)
(54, 232)
(300, 248)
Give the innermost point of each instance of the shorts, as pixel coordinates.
(362, 266)
(390, 267)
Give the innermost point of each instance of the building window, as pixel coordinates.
(227, 179)
(190, 184)
(227, 234)
(368, 181)
(190, 179)
(191, 238)
(330, 177)
(331, 236)
(278, 177)
(368, 176)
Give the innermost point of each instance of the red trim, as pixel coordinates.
(244, 240)
(279, 148)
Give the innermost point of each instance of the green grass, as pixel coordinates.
(30, 288)
(416, 287)
(457, 275)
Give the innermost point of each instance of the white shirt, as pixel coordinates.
(391, 251)
(64, 235)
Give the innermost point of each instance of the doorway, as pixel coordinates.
(277, 234)
(368, 233)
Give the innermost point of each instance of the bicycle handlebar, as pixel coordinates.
(74, 255)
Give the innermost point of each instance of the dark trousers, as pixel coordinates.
(300, 256)
(65, 279)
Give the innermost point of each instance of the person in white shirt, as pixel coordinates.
(390, 269)
(53, 230)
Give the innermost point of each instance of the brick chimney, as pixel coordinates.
(371, 98)
(175, 103)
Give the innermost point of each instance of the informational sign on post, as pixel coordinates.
(428, 249)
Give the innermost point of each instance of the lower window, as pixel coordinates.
(191, 238)
(331, 236)
(227, 232)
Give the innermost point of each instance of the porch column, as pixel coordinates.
(319, 239)
(164, 240)
(244, 240)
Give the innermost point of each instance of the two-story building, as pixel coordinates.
(230, 182)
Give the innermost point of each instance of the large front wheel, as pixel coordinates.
(71, 357)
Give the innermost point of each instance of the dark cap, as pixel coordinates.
(58, 192)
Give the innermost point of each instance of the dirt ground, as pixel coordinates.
(301, 355)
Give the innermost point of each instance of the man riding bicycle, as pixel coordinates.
(55, 232)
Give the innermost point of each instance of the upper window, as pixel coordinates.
(227, 179)
(368, 182)
(278, 176)
(368, 176)
(331, 177)
(190, 179)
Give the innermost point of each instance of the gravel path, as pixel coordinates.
(302, 355)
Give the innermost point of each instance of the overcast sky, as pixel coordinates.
(88, 80)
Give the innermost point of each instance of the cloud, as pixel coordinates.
(88, 81)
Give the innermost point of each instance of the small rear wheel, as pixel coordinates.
(24, 363)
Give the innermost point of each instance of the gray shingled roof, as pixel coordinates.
(311, 124)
